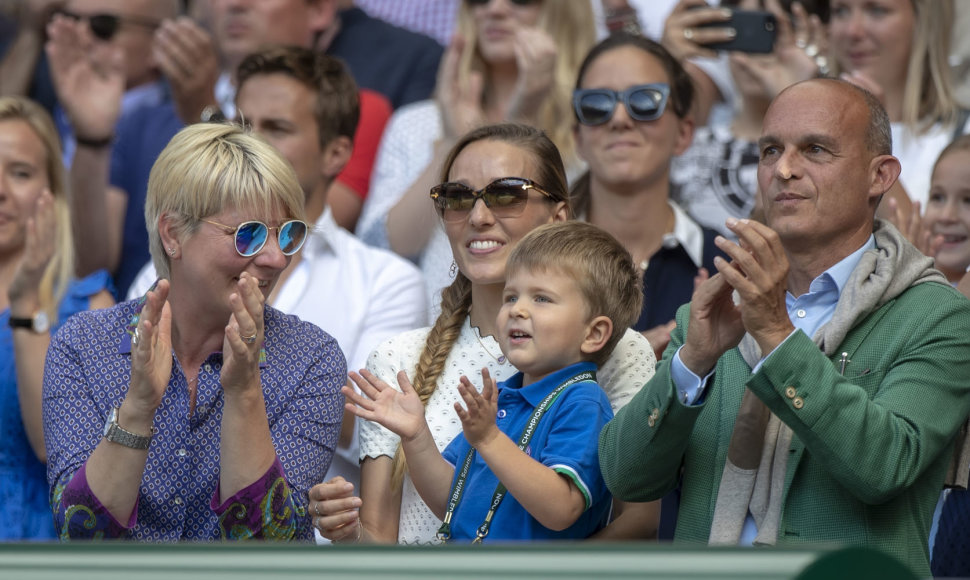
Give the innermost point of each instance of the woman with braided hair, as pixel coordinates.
(517, 174)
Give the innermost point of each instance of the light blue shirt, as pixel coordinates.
(807, 312)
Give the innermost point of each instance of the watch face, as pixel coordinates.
(112, 419)
(41, 322)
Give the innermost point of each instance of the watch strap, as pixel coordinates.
(38, 323)
(16, 322)
(118, 434)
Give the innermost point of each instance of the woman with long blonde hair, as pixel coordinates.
(898, 50)
(511, 60)
(37, 294)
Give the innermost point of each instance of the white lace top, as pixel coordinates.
(628, 369)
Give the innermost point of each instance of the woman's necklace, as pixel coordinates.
(499, 359)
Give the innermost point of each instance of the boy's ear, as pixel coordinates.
(598, 333)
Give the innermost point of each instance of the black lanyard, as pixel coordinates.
(444, 532)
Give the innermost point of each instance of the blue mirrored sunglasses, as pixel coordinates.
(642, 102)
(250, 237)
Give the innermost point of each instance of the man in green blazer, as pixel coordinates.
(813, 387)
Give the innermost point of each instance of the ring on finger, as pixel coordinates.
(249, 340)
(135, 337)
(811, 50)
(316, 508)
(689, 33)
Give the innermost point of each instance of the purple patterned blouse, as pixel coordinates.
(88, 371)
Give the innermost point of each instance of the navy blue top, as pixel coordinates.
(141, 136)
(565, 440)
(400, 64)
(41, 87)
(24, 507)
(668, 281)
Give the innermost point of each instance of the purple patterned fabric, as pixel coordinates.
(88, 371)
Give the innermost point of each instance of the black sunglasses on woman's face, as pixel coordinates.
(104, 26)
(516, 2)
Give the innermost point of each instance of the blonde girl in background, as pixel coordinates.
(38, 293)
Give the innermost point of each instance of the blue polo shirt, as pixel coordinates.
(565, 441)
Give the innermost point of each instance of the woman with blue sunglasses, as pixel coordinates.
(632, 104)
(198, 412)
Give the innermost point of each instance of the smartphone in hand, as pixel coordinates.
(756, 31)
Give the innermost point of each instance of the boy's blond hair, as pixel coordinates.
(609, 281)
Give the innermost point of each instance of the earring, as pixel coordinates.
(453, 271)
(171, 252)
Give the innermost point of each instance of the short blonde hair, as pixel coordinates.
(60, 270)
(570, 23)
(602, 268)
(208, 168)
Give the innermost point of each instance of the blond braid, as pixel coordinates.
(456, 301)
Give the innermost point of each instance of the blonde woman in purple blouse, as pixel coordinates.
(197, 412)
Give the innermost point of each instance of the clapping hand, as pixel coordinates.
(151, 354)
(478, 415)
(535, 60)
(460, 102)
(244, 336)
(400, 411)
(187, 57)
(89, 77)
(914, 227)
(39, 248)
(758, 272)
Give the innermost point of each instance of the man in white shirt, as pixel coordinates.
(306, 105)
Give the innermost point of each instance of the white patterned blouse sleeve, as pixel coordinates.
(393, 355)
(630, 366)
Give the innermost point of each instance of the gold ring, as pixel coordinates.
(248, 339)
(689, 33)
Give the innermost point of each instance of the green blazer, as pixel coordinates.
(869, 450)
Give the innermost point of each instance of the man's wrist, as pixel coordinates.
(768, 342)
(697, 365)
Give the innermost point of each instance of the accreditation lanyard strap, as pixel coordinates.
(444, 532)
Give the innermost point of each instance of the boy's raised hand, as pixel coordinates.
(400, 411)
(478, 415)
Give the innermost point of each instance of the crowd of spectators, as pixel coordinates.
(214, 213)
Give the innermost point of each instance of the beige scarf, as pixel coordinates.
(754, 473)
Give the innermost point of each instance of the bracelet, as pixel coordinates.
(360, 535)
(94, 143)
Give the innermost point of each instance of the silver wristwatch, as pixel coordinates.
(118, 434)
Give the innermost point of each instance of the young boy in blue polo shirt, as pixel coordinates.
(526, 464)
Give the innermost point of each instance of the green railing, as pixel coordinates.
(243, 561)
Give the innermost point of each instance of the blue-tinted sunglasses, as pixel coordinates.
(250, 237)
(642, 102)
